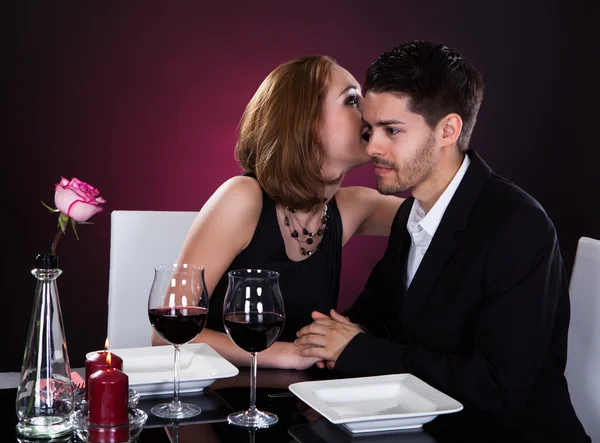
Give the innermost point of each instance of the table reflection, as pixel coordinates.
(297, 421)
(321, 430)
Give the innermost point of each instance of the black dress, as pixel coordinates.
(308, 285)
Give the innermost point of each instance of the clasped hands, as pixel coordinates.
(326, 337)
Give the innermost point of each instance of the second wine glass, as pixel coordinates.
(177, 308)
(253, 316)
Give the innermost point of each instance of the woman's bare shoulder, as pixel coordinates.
(227, 220)
(236, 195)
(366, 210)
(241, 186)
(237, 199)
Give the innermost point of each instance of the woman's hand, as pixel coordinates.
(265, 378)
(289, 356)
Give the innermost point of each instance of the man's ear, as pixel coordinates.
(450, 128)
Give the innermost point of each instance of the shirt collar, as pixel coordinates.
(414, 218)
(432, 219)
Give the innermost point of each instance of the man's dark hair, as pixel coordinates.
(436, 80)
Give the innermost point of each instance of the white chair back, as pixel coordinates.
(583, 361)
(139, 240)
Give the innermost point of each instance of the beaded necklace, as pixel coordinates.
(308, 237)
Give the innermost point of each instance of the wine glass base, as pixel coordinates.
(252, 419)
(171, 411)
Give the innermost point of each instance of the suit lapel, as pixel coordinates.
(440, 250)
(395, 275)
(403, 245)
(444, 242)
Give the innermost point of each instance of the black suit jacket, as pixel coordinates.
(485, 318)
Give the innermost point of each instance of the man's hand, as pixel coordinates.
(326, 337)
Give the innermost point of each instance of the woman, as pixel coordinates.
(299, 136)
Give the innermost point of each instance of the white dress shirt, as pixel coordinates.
(422, 226)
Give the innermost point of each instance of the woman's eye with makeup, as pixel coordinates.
(352, 99)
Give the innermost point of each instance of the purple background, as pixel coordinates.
(142, 100)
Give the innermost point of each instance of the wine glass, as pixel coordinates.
(253, 316)
(177, 308)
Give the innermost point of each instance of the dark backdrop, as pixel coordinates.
(142, 100)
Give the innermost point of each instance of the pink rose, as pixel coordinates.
(77, 199)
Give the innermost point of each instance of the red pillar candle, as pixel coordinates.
(107, 402)
(97, 362)
(108, 390)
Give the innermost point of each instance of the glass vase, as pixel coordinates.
(45, 394)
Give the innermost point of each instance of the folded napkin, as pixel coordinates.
(77, 379)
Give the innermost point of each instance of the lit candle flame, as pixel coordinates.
(106, 344)
(108, 359)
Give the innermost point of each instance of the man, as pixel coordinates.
(471, 295)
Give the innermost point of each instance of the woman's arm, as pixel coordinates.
(365, 211)
(223, 228)
(280, 355)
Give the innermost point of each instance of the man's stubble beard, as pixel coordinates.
(414, 171)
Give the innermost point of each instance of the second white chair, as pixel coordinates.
(139, 240)
(583, 361)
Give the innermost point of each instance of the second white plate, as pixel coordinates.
(150, 369)
(374, 404)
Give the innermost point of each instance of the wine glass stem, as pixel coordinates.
(175, 433)
(253, 381)
(176, 403)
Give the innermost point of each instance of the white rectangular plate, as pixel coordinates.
(150, 369)
(374, 404)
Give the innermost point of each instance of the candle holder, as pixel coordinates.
(91, 433)
(80, 401)
(64, 439)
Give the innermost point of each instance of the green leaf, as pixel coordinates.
(63, 219)
(50, 209)
(73, 225)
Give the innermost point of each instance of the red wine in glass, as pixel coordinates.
(178, 325)
(253, 317)
(177, 309)
(254, 332)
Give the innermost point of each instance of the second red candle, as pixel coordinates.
(97, 362)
